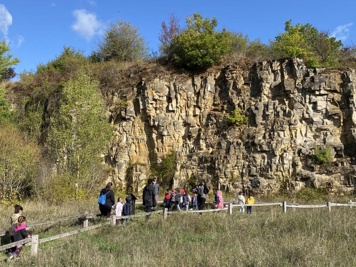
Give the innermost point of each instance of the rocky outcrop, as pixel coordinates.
(291, 111)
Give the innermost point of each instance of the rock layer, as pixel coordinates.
(292, 111)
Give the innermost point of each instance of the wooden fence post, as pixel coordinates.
(284, 206)
(230, 208)
(34, 245)
(329, 206)
(165, 213)
(113, 220)
(86, 221)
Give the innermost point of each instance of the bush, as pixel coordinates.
(236, 117)
(199, 46)
(323, 156)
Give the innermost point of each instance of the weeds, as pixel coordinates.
(304, 237)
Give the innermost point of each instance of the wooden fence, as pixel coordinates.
(34, 241)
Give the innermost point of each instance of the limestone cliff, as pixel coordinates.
(291, 112)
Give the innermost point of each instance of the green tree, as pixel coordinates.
(79, 132)
(199, 46)
(19, 162)
(6, 59)
(38, 94)
(6, 114)
(166, 169)
(306, 42)
(122, 42)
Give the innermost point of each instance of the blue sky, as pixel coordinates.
(38, 30)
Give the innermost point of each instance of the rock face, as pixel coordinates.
(292, 112)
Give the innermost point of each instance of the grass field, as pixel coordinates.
(304, 237)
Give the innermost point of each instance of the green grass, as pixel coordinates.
(304, 237)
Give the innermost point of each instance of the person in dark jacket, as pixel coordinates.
(105, 209)
(148, 197)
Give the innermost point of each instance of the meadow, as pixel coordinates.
(268, 237)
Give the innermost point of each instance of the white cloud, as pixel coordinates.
(86, 24)
(5, 20)
(342, 32)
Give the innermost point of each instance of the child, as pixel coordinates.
(195, 201)
(249, 200)
(186, 200)
(20, 233)
(167, 200)
(14, 220)
(127, 209)
(118, 210)
(241, 201)
(219, 200)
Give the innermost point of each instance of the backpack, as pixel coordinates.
(206, 190)
(102, 199)
(126, 209)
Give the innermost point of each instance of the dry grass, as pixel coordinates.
(266, 238)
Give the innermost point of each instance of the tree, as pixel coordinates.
(168, 32)
(19, 162)
(306, 42)
(199, 46)
(7, 74)
(6, 114)
(79, 132)
(122, 42)
(6, 59)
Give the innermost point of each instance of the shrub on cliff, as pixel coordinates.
(236, 117)
(199, 46)
(121, 43)
(324, 155)
(306, 42)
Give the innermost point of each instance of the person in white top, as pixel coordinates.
(118, 210)
(241, 201)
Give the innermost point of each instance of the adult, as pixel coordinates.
(148, 198)
(241, 201)
(201, 191)
(155, 191)
(105, 209)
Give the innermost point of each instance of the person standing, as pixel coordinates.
(155, 191)
(219, 200)
(249, 201)
(195, 201)
(241, 201)
(118, 210)
(105, 209)
(148, 198)
(201, 190)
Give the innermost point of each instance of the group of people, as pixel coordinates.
(17, 231)
(108, 204)
(179, 199)
(174, 200)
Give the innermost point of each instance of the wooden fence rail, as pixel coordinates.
(34, 241)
